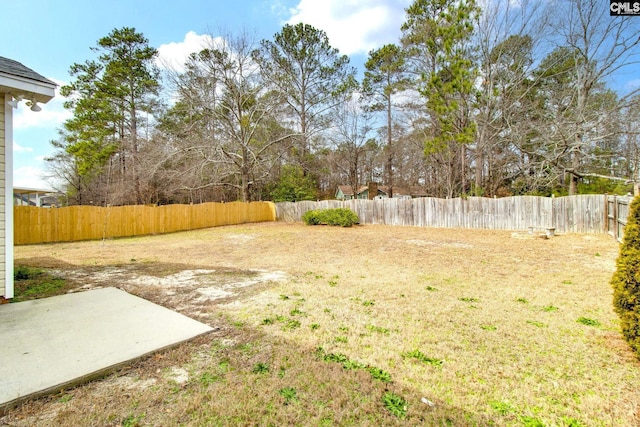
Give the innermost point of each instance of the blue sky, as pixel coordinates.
(48, 36)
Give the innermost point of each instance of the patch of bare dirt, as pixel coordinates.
(180, 287)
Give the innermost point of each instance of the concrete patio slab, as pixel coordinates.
(53, 343)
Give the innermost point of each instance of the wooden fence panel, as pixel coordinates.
(576, 214)
(43, 225)
(623, 214)
(616, 213)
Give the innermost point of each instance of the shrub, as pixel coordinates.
(311, 217)
(626, 279)
(337, 216)
(342, 217)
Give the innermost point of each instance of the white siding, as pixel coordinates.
(3, 130)
(6, 204)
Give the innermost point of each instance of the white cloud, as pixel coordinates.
(29, 177)
(354, 26)
(485, 4)
(172, 56)
(278, 8)
(48, 117)
(53, 113)
(18, 148)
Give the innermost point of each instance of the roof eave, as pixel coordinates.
(28, 89)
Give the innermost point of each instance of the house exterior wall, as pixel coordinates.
(6, 202)
(15, 79)
(379, 195)
(5, 128)
(342, 196)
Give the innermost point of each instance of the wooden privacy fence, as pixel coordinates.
(43, 225)
(616, 213)
(577, 214)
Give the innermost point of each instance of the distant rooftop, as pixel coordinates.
(31, 190)
(14, 68)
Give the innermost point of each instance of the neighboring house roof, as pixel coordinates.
(384, 189)
(419, 192)
(21, 81)
(346, 190)
(414, 191)
(36, 197)
(401, 191)
(31, 190)
(410, 191)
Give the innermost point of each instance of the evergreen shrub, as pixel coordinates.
(337, 216)
(626, 279)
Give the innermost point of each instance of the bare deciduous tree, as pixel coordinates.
(599, 46)
(225, 103)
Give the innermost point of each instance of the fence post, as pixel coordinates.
(606, 214)
(615, 217)
(553, 216)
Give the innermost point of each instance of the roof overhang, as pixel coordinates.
(28, 89)
(26, 190)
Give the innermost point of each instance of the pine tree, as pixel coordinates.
(437, 37)
(293, 186)
(314, 78)
(626, 279)
(384, 77)
(109, 98)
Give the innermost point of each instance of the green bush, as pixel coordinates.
(626, 279)
(337, 216)
(311, 217)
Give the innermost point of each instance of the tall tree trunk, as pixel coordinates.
(480, 159)
(134, 151)
(463, 166)
(389, 165)
(573, 178)
(303, 130)
(244, 171)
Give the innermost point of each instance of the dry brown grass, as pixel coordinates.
(498, 309)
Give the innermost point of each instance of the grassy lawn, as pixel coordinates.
(368, 325)
(33, 283)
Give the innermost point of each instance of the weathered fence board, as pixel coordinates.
(616, 213)
(41, 225)
(576, 214)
